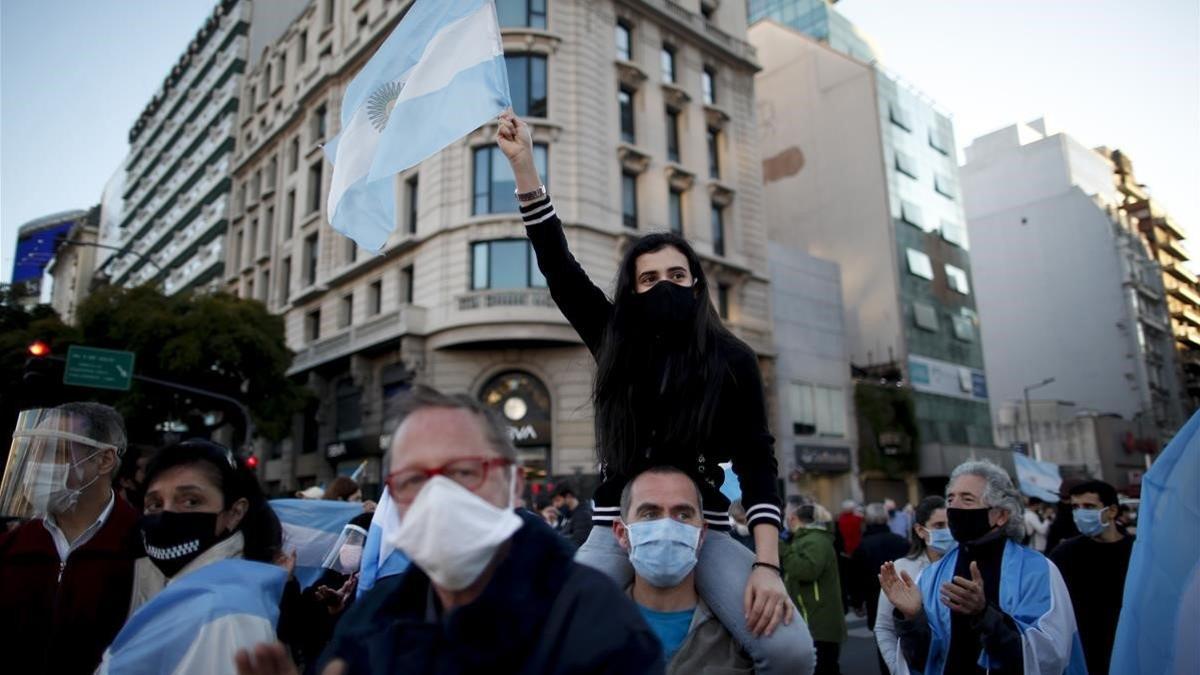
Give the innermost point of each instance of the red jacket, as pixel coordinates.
(851, 526)
(54, 621)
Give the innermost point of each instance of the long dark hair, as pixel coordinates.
(921, 515)
(259, 526)
(694, 367)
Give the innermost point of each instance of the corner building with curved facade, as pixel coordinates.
(643, 119)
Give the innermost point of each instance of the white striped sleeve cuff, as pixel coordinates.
(764, 513)
(537, 212)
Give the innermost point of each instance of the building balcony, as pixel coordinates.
(1174, 247)
(203, 262)
(376, 331)
(1181, 272)
(1190, 339)
(1172, 228)
(1185, 292)
(1187, 315)
(494, 317)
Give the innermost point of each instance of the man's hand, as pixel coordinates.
(966, 596)
(766, 602)
(336, 600)
(270, 658)
(514, 138)
(900, 590)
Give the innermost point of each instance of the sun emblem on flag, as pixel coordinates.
(381, 102)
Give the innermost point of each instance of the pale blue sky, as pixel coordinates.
(74, 75)
(1108, 72)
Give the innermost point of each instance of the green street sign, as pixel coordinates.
(98, 368)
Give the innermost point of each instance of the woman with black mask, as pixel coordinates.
(673, 387)
(201, 506)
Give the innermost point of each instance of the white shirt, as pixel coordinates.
(1037, 529)
(65, 548)
(885, 626)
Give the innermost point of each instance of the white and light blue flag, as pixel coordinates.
(199, 621)
(1165, 556)
(380, 559)
(438, 76)
(311, 527)
(1037, 478)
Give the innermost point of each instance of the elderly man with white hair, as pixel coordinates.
(989, 605)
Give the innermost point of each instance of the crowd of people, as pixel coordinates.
(177, 562)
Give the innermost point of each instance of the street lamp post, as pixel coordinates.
(1029, 416)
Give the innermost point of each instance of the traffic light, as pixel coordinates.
(39, 349)
(40, 377)
(252, 462)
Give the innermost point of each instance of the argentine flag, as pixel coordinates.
(311, 527)
(1156, 634)
(438, 76)
(379, 559)
(198, 623)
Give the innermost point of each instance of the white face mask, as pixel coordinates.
(46, 486)
(452, 534)
(350, 557)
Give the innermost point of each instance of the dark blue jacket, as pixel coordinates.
(541, 614)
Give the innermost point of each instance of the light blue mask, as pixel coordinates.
(941, 540)
(1088, 521)
(663, 550)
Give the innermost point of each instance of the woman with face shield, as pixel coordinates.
(674, 387)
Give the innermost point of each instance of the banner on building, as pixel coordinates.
(1037, 479)
(948, 379)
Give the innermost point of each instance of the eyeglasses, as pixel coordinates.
(469, 472)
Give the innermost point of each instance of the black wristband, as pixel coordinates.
(768, 565)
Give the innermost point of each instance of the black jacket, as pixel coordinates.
(879, 545)
(740, 432)
(541, 614)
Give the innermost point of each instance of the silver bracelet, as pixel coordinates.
(532, 195)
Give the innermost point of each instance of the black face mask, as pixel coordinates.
(175, 539)
(968, 525)
(666, 306)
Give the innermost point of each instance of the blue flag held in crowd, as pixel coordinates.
(1164, 560)
(311, 527)
(438, 76)
(199, 621)
(380, 560)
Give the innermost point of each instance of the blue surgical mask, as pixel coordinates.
(1088, 521)
(663, 551)
(941, 540)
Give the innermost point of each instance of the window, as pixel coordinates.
(327, 16)
(723, 300)
(272, 174)
(268, 231)
(310, 260)
(313, 325)
(939, 141)
(264, 286)
(314, 187)
(673, 135)
(957, 279)
(349, 410)
(238, 249)
(708, 85)
(251, 95)
(718, 229)
(899, 116)
(964, 328)
(625, 103)
(504, 263)
(406, 285)
(346, 311)
(527, 84)
(252, 240)
(294, 155)
(943, 186)
(410, 195)
(668, 63)
(319, 123)
(714, 153)
(818, 411)
(256, 186)
(302, 47)
(280, 69)
(285, 281)
(362, 23)
(351, 251)
(911, 214)
(919, 264)
(675, 211)
(494, 184)
(624, 41)
(375, 297)
(906, 165)
(708, 9)
(629, 200)
(954, 233)
(925, 316)
(249, 295)
(528, 13)
(289, 215)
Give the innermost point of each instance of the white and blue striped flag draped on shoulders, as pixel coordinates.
(311, 527)
(438, 76)
(1166, 552)
(197, 623)
(380, 560)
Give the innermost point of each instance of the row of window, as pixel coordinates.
(925, 317)
(675, 211)
(938, 139)
(628, 120)
(919, 264)
(666, 62)
(345, 305)
(817, 410)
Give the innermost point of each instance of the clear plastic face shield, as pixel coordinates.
(50, 463)
(346, 554)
